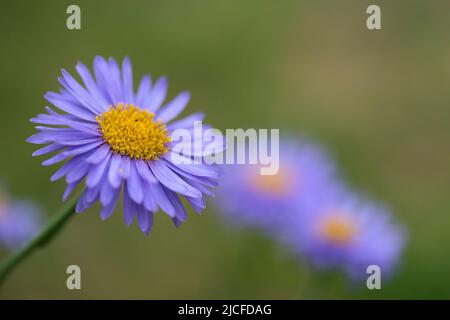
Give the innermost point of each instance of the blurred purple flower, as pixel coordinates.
(305, 176)
(348, 234)
(308, 208)
(19, 222)
(114, 136)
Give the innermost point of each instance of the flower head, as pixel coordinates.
(112, 136)
(305, 176)
(19, 222)
(347, 234)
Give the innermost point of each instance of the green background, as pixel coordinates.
(379, 100)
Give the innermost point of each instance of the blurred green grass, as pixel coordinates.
(379, 100)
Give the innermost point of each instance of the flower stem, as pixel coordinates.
(47, 233)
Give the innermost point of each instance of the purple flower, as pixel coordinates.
(306, 207)
(348, 234)
(112, 136)
(19, 222)
(304, 177)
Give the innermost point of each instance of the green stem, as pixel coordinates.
(49, 231)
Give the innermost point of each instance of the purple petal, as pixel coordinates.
(88, 80)
(199, 180)
(73, 151)
(186, 123)
(55, 159)
(70, 187)
(174, 108)
(177, 222)
(134, 185)
(108, 193)
(39, 138)
(107, 74)
(178, 206)
(127, 78)
(48, 149)
(200, 169)
(80, 142)
(144, 171)
(157, 95)
(143, 90)
(199, 148)
(114, 177)
(78, 92)
(199, 186)
(108, 210)
(145, 220)
(198, 204)
(124, 167)
(93, 194)
(68, 166)
(149, 198)
(59, 135)
(102, 77)
(82, 203)
(63, 120)
(160, 196)
(99, 154)
(96, 172)
(129, 210)
(171, 180)
(78, 171)
(115, 79)
(77, 110)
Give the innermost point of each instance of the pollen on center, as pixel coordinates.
(276, 184)
(337, 229)
(134, 132)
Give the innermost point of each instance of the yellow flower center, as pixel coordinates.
(337, 229)
(132, 131)
(277, 184)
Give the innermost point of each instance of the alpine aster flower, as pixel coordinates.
(19, 222)
(113, 136)
(347, 234)
(269, 201)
